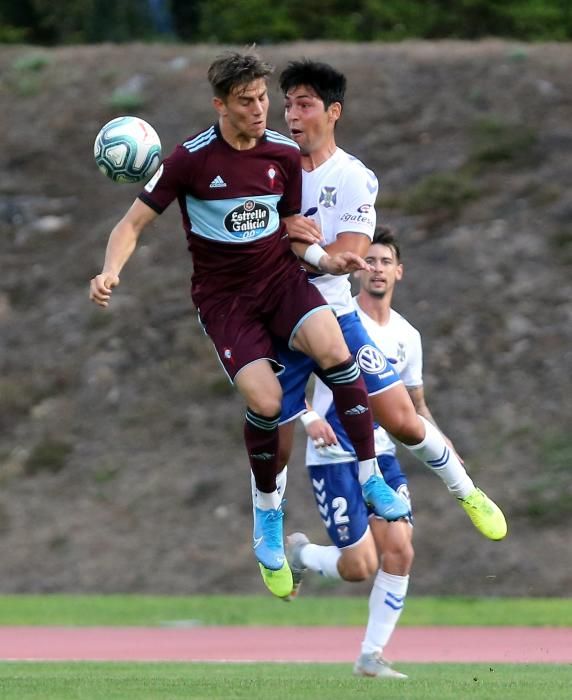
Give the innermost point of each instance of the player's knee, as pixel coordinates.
(332, 353)
(266, 405)
(406, 555)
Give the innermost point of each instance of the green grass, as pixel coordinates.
(97, 681)
(120, 610)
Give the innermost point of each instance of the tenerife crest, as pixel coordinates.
(328, 196)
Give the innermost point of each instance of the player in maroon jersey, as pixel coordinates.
(238, 185)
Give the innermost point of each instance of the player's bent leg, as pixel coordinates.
(394, 411)
(356, 562)
(360, 561)
(338, 497)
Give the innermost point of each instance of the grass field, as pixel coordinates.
(166, 681)
(119, 610)
(96, 681)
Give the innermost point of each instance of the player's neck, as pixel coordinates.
(377, 308)
(236, 139)
(313, 160)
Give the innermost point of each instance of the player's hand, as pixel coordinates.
(303, 229)
(100, 288)
(321, 433)
(343, 263)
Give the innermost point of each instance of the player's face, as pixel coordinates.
(310, 125)
(245, 110)
(386, 271)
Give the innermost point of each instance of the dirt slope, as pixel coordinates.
(121, 463)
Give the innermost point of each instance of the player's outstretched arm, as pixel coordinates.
(120, 246)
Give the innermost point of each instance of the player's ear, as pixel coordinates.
(220, 106)
(335, 111)
(399, 272)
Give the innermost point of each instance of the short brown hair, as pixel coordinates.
(385, 235)
(233, 69)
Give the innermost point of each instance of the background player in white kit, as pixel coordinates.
(340, 193)
(365, 545)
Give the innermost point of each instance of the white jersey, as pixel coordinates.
(400, 343)
(340, 196)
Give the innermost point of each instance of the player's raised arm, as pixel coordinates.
(120, 246)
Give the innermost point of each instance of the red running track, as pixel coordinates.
(303, 644)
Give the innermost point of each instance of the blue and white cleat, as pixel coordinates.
(386, 502)
(267, 538)
(268, 546)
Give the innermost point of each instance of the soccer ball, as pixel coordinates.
(127, 149)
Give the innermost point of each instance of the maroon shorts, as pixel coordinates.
(241, 324)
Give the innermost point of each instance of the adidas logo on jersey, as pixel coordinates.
(356, 410)
(218, 182)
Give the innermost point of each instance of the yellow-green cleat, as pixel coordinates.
(485, 515)
(279, 582)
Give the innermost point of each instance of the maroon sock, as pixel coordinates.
(261, 439)
(351, 402)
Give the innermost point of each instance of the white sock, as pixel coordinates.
(259, 498)
(281, 479)
(434, 452)
(323, 559)
(367, 468)
(386, 602)
(267, 501)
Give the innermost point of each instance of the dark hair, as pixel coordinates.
(327, 82)
(385, 235)
(233, 69)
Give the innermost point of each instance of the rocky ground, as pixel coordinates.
(121, 463)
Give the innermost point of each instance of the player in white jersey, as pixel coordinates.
(339, 192)
(364, 545)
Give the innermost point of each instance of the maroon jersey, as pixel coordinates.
(231, 202)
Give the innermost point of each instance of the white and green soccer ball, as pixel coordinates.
(127, 149)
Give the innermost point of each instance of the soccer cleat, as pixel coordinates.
(485, 515)
(375, 666)
(267, 541)
(386, 502)
(294, 545)
(279, 583)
